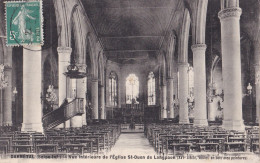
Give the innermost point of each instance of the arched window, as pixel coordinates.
(132, 89)
(113, 89)
(151, 89)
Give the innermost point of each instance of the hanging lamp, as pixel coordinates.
(73, 71)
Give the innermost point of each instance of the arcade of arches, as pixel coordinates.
(194, 62)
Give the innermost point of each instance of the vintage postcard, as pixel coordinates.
(129, 81)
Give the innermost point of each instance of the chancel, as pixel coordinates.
(146, 77)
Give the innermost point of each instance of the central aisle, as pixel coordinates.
(132, 143)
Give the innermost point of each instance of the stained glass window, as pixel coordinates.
(132, 89)
(113, 89)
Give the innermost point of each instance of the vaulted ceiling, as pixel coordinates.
(130, 30)
(133, 30)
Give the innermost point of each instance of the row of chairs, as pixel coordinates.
(172, 139)
(94, 139)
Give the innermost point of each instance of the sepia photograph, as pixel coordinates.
(129, 81)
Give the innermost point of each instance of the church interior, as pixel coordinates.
(156, 77)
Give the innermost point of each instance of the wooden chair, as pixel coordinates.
(74, 148)
(22, 148)
(235, 146)
(4, 146)
(208, 147)
(46, 148)
(180, 147)
(88, 148)
(254, 143)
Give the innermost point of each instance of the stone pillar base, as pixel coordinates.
(184, 121)
(76, 121)
(257, 120)
(94, 98)
(95, 121)
(67, 124)
(164, 114)
(7, 123)
(212, 109)
(183, 93)
(29, 127)
(84, 119)
(233, 125)
(200, 122)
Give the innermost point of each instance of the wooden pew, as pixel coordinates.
(46, 148)
(4, 146)
(208, 147)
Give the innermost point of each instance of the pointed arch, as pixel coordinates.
(213, 66)
(51, 60)
(199, 21)
(63, 29)
(2, 55)
(170, 54)
(184, 38)
(101, 68)
(77, 31)
(162, 70)
(90, 58)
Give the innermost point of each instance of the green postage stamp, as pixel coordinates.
(24, 23)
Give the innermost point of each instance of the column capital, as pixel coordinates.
(198, 47)
(62, 50)
(183, 64)
(234, 12)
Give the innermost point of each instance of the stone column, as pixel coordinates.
(102, 102)
(231, 67)
(64, 61)
(175, 92)
(84, 118)
(7, 98)
(199, 66)
(175, 84)
(257, 77)
(183, 93)
(77, 121)
(1, 107)
(94, 98)
(170, 98)
(257, 90)
(212, 109)
(69, 97)
(32, 80)
(163, 102)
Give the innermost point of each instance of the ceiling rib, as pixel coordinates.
(168, 26)
(127, 7)
(127, 51)
(119, 37)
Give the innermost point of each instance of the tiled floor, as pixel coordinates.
(132, 143)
